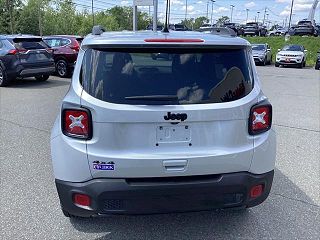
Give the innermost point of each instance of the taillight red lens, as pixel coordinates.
(81, 199)
(76, 123)
(260, 119)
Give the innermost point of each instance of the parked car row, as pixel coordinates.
(32, 56)
(290, 55)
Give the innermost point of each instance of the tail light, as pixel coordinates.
(260, 118)
(16, 51)
(76, 123)
(75, 46)
(49, 50)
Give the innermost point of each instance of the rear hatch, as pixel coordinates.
(182, 115)
(33, 52)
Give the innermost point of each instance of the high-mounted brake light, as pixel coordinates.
(76, 123)
(174, 40)
(260, 118)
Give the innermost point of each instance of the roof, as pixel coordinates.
(138, 38)
(18, 36)
(65, 36)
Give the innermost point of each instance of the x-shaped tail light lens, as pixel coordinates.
(260, 119)
(76, 123)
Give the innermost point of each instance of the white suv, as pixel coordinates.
(291, 55)
(140, 135)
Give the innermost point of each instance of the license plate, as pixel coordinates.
(173, 134)
(287, 60)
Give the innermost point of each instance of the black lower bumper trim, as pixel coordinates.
(123, 196)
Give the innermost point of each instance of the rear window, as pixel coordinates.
(172, 77)
(29, 43)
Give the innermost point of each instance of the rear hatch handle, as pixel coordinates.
(175, 165)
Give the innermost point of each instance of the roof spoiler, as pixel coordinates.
(98, 30)
(223, 31)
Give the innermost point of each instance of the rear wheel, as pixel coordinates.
(4, 80)
(42, 78)
(62, 68)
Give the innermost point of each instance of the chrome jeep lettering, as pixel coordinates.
(175, 116)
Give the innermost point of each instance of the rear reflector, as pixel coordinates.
(76, 123)
(81, 199)
(174, 40)
(260, 118)
(256, 191)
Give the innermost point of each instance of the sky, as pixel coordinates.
(277, 11)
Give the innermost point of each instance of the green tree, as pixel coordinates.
(198, 22)
(221, 21)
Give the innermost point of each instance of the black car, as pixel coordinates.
(235, 27)
(305, 27)
(318, 61)
(254, 29)
(24, 56)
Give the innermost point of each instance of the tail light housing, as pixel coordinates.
(75, 46)
(76, 123)
(260, 119)
(16, 51)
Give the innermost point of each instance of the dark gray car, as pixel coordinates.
(262, 54)
(24, 56)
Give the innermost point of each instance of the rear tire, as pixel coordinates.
(62, 68)
(4, 80)
(42, 78)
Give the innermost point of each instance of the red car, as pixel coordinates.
(65, 52)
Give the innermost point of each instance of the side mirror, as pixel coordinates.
(305, 50)
(318, 52)
(279, 49)
(268, 50)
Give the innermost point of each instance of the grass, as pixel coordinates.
(312, 44)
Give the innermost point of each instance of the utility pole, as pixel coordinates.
(258, 16)
(208, 9)
(185, 18)
(232, 6)
(264, 16)
(291, 13)
(247, 15)
(92, 12)
(155, 15)
(212, 1)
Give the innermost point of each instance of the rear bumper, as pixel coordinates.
(29, 72)
(163, 195)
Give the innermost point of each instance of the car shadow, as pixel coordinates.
(277, 216)
(34, 84)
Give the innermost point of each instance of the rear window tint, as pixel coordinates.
(172, 77)
(29, 43)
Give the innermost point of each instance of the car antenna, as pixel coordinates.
(166, 29)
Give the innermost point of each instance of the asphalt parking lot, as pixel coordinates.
(30, 206)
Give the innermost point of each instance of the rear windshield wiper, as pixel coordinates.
(154, 97)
